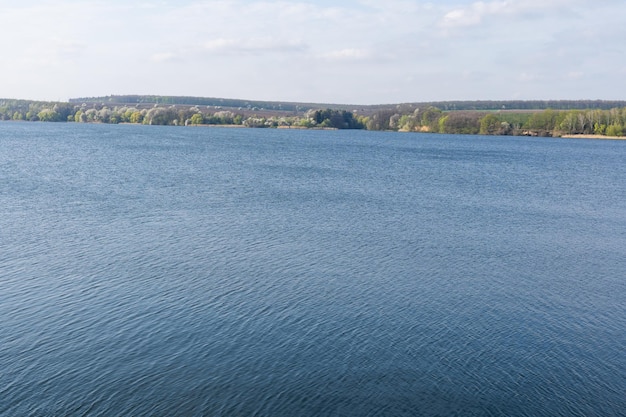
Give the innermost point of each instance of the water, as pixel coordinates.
(222, 272)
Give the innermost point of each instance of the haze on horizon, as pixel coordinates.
(356, 51)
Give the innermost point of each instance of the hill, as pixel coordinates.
(301, 108)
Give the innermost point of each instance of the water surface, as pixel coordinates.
(206, 272)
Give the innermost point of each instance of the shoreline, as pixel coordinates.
(285, 127)
(594, 137)
(208, 125)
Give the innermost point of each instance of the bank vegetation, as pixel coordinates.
(466, 117)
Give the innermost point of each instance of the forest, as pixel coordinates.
(532, 118)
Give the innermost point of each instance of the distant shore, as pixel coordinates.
(277, 127)
(230, 126)
(594, 137)
(577, 120)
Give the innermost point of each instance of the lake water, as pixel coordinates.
(160, 271)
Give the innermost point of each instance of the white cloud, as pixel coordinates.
(527, 77)
(254, 46)
(480, 11)
(348, 54)
(220, 44)
(475, 14)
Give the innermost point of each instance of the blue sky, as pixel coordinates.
(352, 52)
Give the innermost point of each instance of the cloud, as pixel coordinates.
(253, 46)
(348, 54)
(480, 11)
(539, 44)
(527, 77)
(473, 14)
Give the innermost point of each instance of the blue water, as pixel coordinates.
(156, 271)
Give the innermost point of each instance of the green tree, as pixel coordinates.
(407, 123)
(460, 122)
(49, 115)
(538, 121)
(380, 120)
(160, 116)
(599, 129)
(127, 115)
(569, 124)
(104, 115)
(136, 117)
(305, 122)
(64, 110)
(615, 130)
(441, 124)
(490, 125)
(430, 118)
(197, 119)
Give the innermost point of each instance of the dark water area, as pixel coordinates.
(156, 271)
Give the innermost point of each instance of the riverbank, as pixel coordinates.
(594, 137)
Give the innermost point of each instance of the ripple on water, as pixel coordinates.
(151, 271)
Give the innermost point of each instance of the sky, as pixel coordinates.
(350, 52)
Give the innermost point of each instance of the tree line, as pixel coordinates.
(457, 105)
(548, 122)
(170, 115)
(194, 101)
